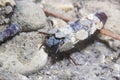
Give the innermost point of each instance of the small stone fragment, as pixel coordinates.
(2, 18)
(81, 34)
(116, 67)
(3, 2)
(90, 16)
(59, 35)
(97, 23)
(67, 46)
(66, 30)
(93, 29)
(8, 9)
(57, 23)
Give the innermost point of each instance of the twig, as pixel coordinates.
(102, 31)
(110, 34)
(48, 12)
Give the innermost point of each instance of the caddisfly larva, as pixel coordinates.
(64, 38)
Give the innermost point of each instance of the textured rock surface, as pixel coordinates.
(22, 54)
(6, 75)
(3, 2)
(94, 63)
(5, 15)
(65, 5)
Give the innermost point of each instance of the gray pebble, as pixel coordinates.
(29, 15)
(8, 9)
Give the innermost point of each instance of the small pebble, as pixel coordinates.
(81, 34)
(3, 2)
(59, 35)
(8, 9)
(116, 67)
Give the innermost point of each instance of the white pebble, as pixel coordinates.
(59, 35)
(116, 67)
(81, 34)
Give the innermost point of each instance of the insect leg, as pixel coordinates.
(73, 61)
(46, 35)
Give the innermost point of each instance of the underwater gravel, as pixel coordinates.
(98, 60)
(94, 63)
